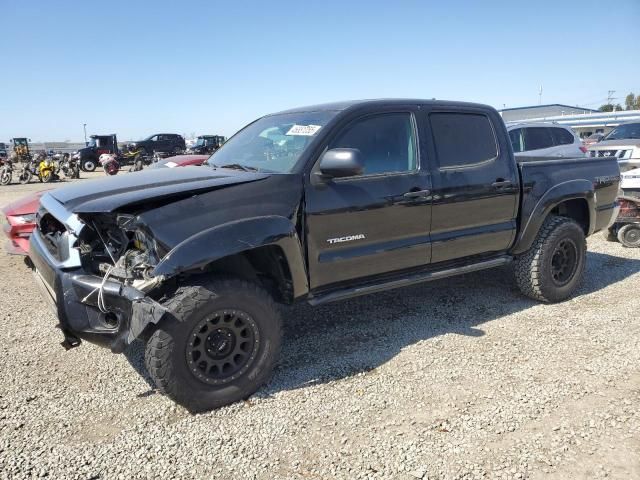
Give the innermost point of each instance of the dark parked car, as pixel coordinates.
(314, 204)
(160, 142)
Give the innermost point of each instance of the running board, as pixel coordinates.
(408, 280)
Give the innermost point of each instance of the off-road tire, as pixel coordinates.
(89, 165)
(533, 269)
(166, 349)
(629, 235)
(610, 235)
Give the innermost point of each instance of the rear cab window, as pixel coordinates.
(462, 139)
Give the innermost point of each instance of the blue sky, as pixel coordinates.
(139, 67)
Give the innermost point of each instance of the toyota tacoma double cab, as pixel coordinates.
(313, 204)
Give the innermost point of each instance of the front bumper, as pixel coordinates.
(73, 295)
(18, 235)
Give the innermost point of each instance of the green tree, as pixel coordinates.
(608, 107)
(630, 101)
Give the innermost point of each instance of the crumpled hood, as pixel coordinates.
(111, 193)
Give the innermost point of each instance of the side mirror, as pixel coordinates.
(341, 162)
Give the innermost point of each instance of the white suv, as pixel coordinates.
(544, 140)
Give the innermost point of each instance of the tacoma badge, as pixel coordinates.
(348, 238)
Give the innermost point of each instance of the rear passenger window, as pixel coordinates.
(462, 139)
(536, 138)
(561, 136)
(386, 142)
(516, 140)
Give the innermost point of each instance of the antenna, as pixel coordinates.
(540, 96)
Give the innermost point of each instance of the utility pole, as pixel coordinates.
(611, 98)
(540, 96)
(84, 126)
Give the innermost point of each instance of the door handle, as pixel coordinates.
(417, 194)
(502, 183)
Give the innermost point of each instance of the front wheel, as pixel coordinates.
(89, 165)
(219, 345)
(46, 176)
(552, 268)
(629, 235)
(5, 177)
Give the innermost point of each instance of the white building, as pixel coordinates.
(583, 121)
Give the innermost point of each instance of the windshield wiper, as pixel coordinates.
(238, 166)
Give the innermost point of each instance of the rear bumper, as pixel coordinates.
(73, 296)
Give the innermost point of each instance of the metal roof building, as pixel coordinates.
(542, 111)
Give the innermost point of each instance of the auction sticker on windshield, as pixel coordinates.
(304, 130)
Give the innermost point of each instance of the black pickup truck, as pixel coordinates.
(316, 204)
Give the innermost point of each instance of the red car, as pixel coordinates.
(19, 221)
(20, 216)
(181, 161)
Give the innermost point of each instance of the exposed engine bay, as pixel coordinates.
(116, 246)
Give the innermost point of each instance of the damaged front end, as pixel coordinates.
(97, 271)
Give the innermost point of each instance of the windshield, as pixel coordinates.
(200, 142)
(629, 130)
(271, 144)
(92, 142)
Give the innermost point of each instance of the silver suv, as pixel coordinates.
(623, 143)
(544, 140)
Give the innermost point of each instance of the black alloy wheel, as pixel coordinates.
(222, 346)
(564, 262)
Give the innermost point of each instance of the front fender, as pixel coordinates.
(236, 237)
(535, 216)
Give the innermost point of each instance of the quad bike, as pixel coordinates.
(135, 156)
(626, 228)
(110, 164)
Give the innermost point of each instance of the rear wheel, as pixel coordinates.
(629, 235)
(552, 268)
(25, 176)
(220, 347)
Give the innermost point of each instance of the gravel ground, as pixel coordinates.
(462, 378)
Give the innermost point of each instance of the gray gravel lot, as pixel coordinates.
(462, 378)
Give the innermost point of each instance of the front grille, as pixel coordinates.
(608, 153)
(627, 192)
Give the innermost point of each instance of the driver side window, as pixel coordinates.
(387, 142)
